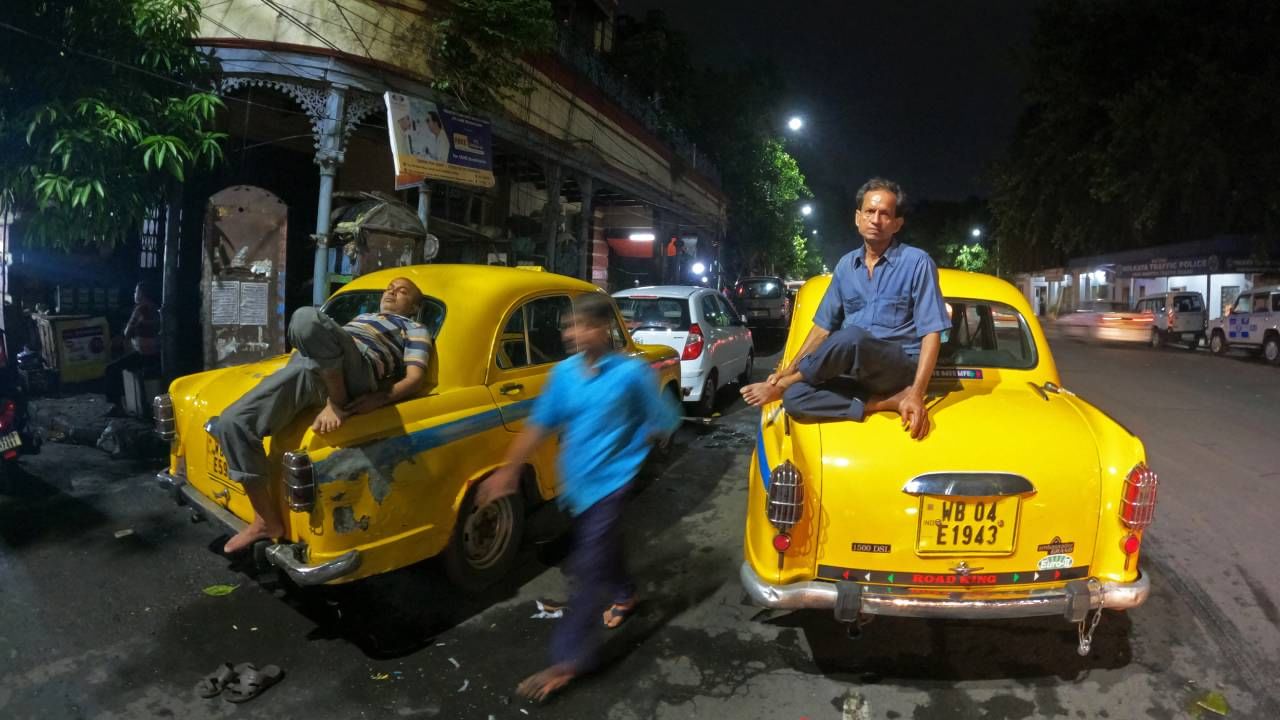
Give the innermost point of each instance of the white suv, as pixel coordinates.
(714, 343)
(1175, 317)
(1252, 323)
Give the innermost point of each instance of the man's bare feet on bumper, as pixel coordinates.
(539, 686)
(763, 393)
(256, 531)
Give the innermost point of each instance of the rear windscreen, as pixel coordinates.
(1188, 303)
(764, 289)
(655, 313)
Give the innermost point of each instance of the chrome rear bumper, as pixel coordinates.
(1072, 601)
(286, 556)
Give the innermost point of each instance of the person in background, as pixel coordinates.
(607, 410)
(143, 335)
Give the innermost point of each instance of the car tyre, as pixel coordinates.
(745, 377)
(1157, 339)
(1195, 342)
(1218, 343)
(1271, 349)
(485, 541)
(706, 404)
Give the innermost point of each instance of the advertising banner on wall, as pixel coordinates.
(431, 143)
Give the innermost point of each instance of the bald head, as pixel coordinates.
(402, 297)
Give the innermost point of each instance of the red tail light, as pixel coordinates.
(8, 409)
(1138, 506)
(299, 481)
(786, 498)
(693, 343)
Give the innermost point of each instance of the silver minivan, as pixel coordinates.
(1251, 323)
(1176, 317)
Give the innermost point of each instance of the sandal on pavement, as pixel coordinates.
(618, 614)
(250, 682)
(213, 683)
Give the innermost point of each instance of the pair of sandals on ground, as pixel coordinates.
(240, 683)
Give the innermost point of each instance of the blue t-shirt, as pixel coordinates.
(900, 303)
(605, 419)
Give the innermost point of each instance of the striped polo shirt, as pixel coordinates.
(390, 342)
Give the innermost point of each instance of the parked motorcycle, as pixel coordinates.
(18, 436)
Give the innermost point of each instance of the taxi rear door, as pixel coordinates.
(526, 349)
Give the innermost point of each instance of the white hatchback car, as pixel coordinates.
(714, 343)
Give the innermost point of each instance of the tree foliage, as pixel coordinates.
(1149, 121)
(103, 104)
(732, 115)
(475, 49)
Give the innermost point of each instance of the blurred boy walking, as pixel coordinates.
(608, 410)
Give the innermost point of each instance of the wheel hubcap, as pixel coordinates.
(486, 533)
(1273, 351)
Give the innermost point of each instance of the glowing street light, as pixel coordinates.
(806, 210)
(814, 233)
(642, 236)
(699, 268)
(795, 124)
(976, 232)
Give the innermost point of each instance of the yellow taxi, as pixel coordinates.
(1023, 500)
(393, 487)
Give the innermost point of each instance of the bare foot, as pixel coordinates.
(256, 531)
(763, 393)
(328, 420)
(539, 686)
(618, 613)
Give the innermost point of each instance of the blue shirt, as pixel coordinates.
(900, 303)
(605, 418)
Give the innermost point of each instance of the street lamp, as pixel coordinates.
(806, 210)
(976, 232)
(699, 268)
(795, 124)
(814, 233)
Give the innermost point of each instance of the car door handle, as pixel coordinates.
(511, 389)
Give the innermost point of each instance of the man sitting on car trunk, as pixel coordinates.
(877, 332)
(339, 369)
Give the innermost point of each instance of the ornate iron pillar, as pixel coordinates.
(329, 155)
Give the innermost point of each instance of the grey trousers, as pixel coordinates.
(844, 372)
(319, 344)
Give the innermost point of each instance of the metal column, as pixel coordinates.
(585, 186)
(551, 212)
(328, 157)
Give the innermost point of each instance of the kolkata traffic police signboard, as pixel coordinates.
(432, 143)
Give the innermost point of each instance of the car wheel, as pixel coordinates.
(706, 405)
(485, 541)
(1271, 349)
(745, 377)
(1157, 339)
(1195, 342)
(1217, 343)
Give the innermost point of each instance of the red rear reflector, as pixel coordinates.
(11, 454)
(1131, 544)
(693, 343)
(782, 542)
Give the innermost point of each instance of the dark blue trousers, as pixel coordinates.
(844, 372)
(599, 578)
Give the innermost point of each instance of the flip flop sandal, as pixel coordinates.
(618, 614)
(251, 682)
(213, 683)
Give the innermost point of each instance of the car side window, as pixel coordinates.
(618, 334)
(1242, 303)
(727, 308)
(1260, 302)
(712, 313)
(532, 333)
(546, 316)
(1275, 303)
(513, 349)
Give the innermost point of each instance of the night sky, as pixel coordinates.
(925, 92)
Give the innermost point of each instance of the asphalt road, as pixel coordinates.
(99, 623)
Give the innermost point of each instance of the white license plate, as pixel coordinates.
(10, 441)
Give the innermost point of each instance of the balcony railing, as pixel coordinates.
(581, 56)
